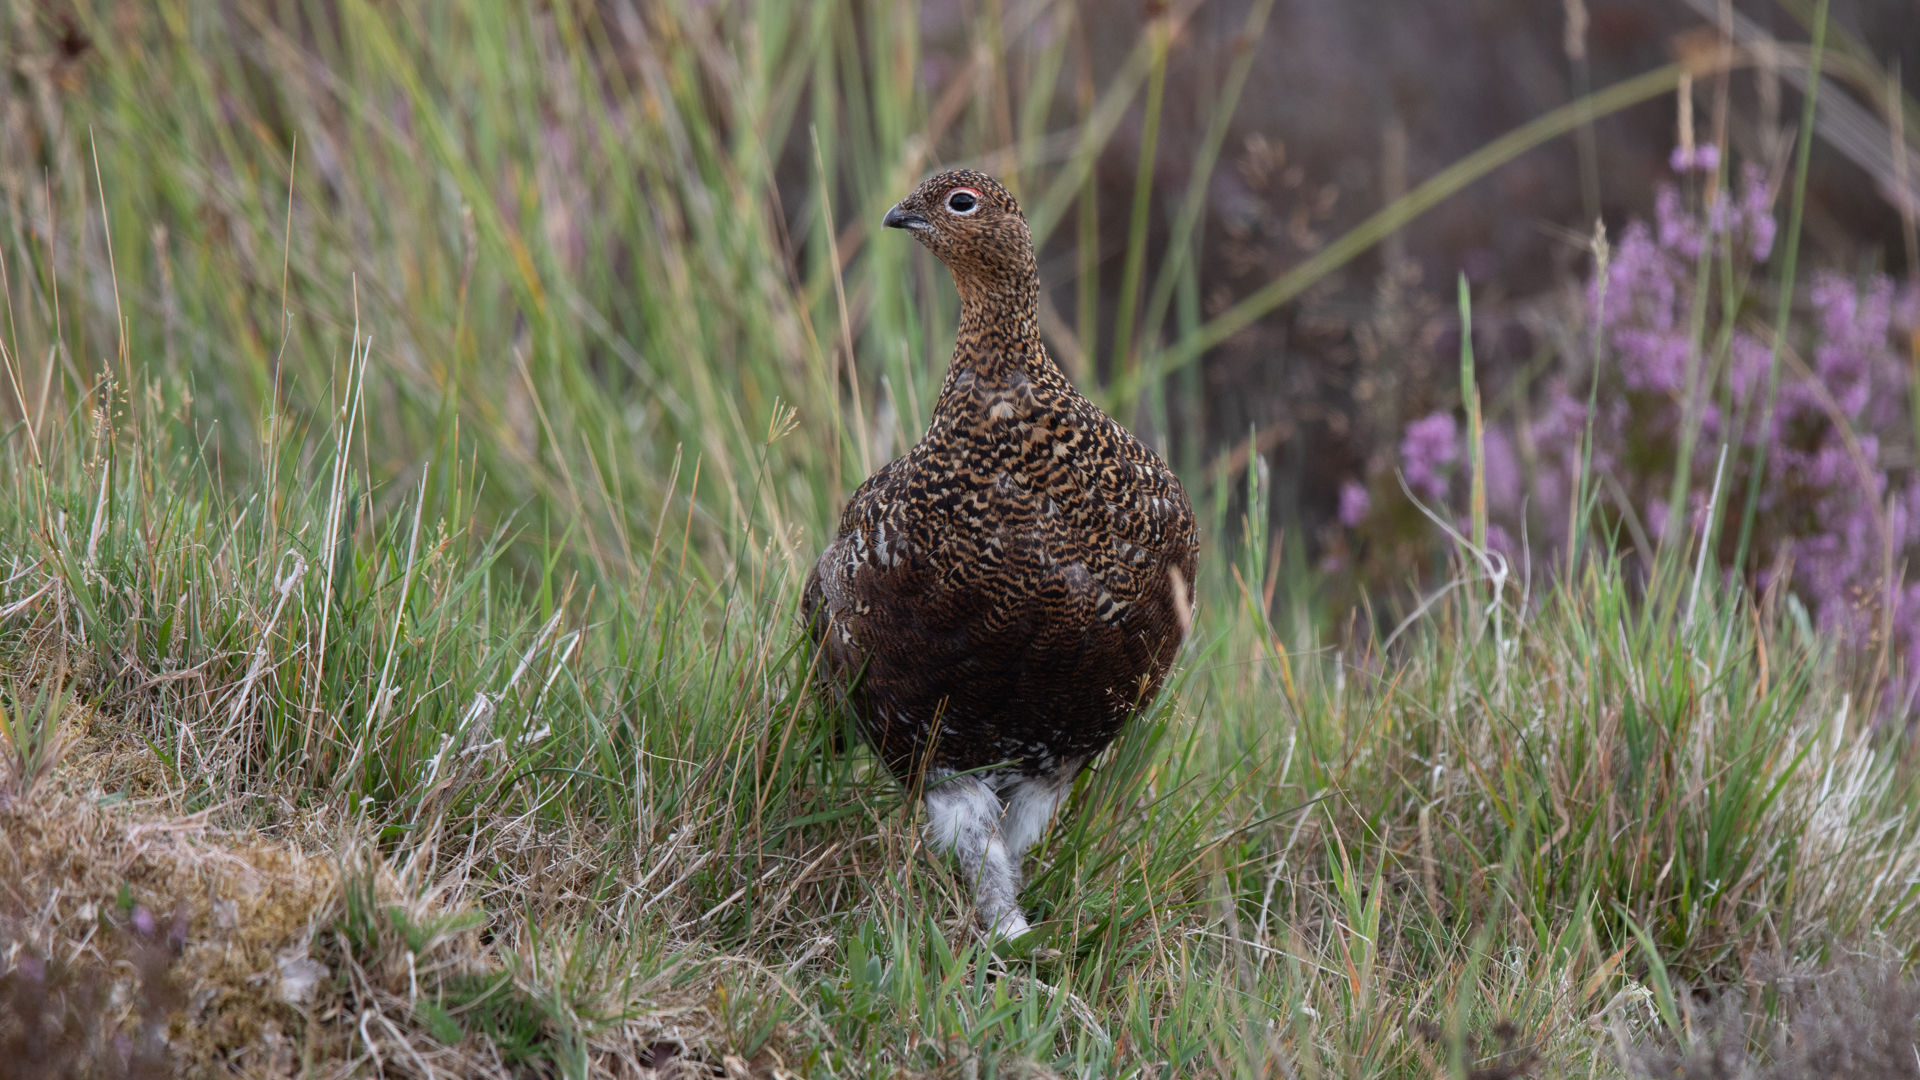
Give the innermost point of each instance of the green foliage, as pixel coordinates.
(30, 728)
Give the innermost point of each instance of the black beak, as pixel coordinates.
(904, 219)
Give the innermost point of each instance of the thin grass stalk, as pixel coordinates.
(1125, 358)
(1045, 212)
(1045, 79)
(1087, 243)
(1193, 395)
(332, 541)
(1580, 509)
(1476, 436)
(1783, 309)
(1692, 410)
(1734, 283)
(1180, 268)
(1909, 221)
(1575, 46)
(378, 707)
(861, 441)
(1706, 536)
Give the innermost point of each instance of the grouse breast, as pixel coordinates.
(1011, 589)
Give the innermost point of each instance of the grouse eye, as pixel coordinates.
(963, 201)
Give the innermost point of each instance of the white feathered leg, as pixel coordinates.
(1031, 803)
(963, 816)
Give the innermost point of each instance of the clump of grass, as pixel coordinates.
(30, 728)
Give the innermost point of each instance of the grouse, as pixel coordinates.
(1000, 599)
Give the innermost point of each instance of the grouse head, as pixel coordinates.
(974, 226)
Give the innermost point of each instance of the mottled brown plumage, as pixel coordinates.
(1005, 594)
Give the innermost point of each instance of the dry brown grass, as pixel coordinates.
(300, 954)
(76, 873)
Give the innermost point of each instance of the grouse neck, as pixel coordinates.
(999, 330)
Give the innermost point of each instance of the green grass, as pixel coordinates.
(437, 493)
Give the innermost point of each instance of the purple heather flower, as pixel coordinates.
(1706, 157)
(1562, 423)
(1854, 329)
(1355, 503)
(1643, 284)
(1430, 446)
(1747, 368)
(1679, 230)
(1702, 158)
(1720, 216)
(1498, 539)
(1836, 487)
(1658, 515)
(1653, 361)
(1502, 464)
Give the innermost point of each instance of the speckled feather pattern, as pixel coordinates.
(1016, 584)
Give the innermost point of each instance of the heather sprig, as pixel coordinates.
(1838, 511)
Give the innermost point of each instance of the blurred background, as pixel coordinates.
(593, 233)
(1348, 105)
